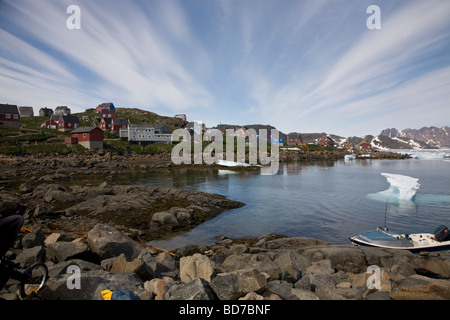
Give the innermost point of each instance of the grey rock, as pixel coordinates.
(34, 238)
(197, 289)
(28, 257)
(63, 251)
(283, 289)
(236, 284)
(166, 266)
(107, 242)
(165, 217)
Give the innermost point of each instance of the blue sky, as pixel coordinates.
(300, 65)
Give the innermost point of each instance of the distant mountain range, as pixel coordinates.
(424, 138)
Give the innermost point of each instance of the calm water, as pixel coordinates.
(326, 200)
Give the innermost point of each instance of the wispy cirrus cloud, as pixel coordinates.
(301, 65)
(119, 54)
(397, 70)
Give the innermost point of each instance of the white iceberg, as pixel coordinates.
(402, 188)
(226, 163)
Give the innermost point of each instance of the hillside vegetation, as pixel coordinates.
(32, 139)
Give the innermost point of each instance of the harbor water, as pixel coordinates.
(327, 200)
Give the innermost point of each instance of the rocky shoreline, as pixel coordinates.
(82, 212)
(269, 267)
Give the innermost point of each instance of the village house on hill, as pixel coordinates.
(62, 111)
(326, 141)
(105, 124)
(89, 137)
(294, 139)
(25, 111)
(105, 106)
(144, 134)
(51, 123)
(364, 146)
(45, 112)
(9, 116)
(68, 123)
(118, 124)
(113, 124)
(181, 116)
(106, 113)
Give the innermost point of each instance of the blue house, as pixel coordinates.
(105, 106)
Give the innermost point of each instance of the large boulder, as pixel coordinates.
(261, 262)
(28, 257)
(436, 268)
(165, 217)
(197, 289)
(10, 204)
(323, 285)
(34, 238)
(159, 287)
(342, 258)
(108, 242)
(236, 284)
(61, 269)
(63, 251)
(166, 265)
(291, 264)
(419, 287)
(136, 266)
(196, 266)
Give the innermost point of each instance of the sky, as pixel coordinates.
(299, 65)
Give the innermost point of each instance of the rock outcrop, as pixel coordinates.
(269, 267)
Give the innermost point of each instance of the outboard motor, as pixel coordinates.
(441, 233)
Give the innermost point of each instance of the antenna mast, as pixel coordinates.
(385, 213)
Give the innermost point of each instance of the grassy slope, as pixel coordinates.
(32, 139)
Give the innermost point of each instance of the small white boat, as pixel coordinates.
(447, 157)
(381, 238)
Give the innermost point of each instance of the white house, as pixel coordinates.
(146, 134)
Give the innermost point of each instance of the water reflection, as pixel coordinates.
(326, 200)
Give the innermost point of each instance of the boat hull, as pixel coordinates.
(414, 243)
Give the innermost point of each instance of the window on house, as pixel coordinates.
(16, 116)
(84, 135)
(8, 116)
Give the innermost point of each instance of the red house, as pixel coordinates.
(117, 124)
(364, 146)
(52, 123)
(89, 137)
(105, 106)
(326, 141)
(294, 138)
(9, 116)
(105, 124)
(68, 123)
(105, 113)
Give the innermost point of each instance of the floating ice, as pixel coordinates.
(226, 163)
(403, 188)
